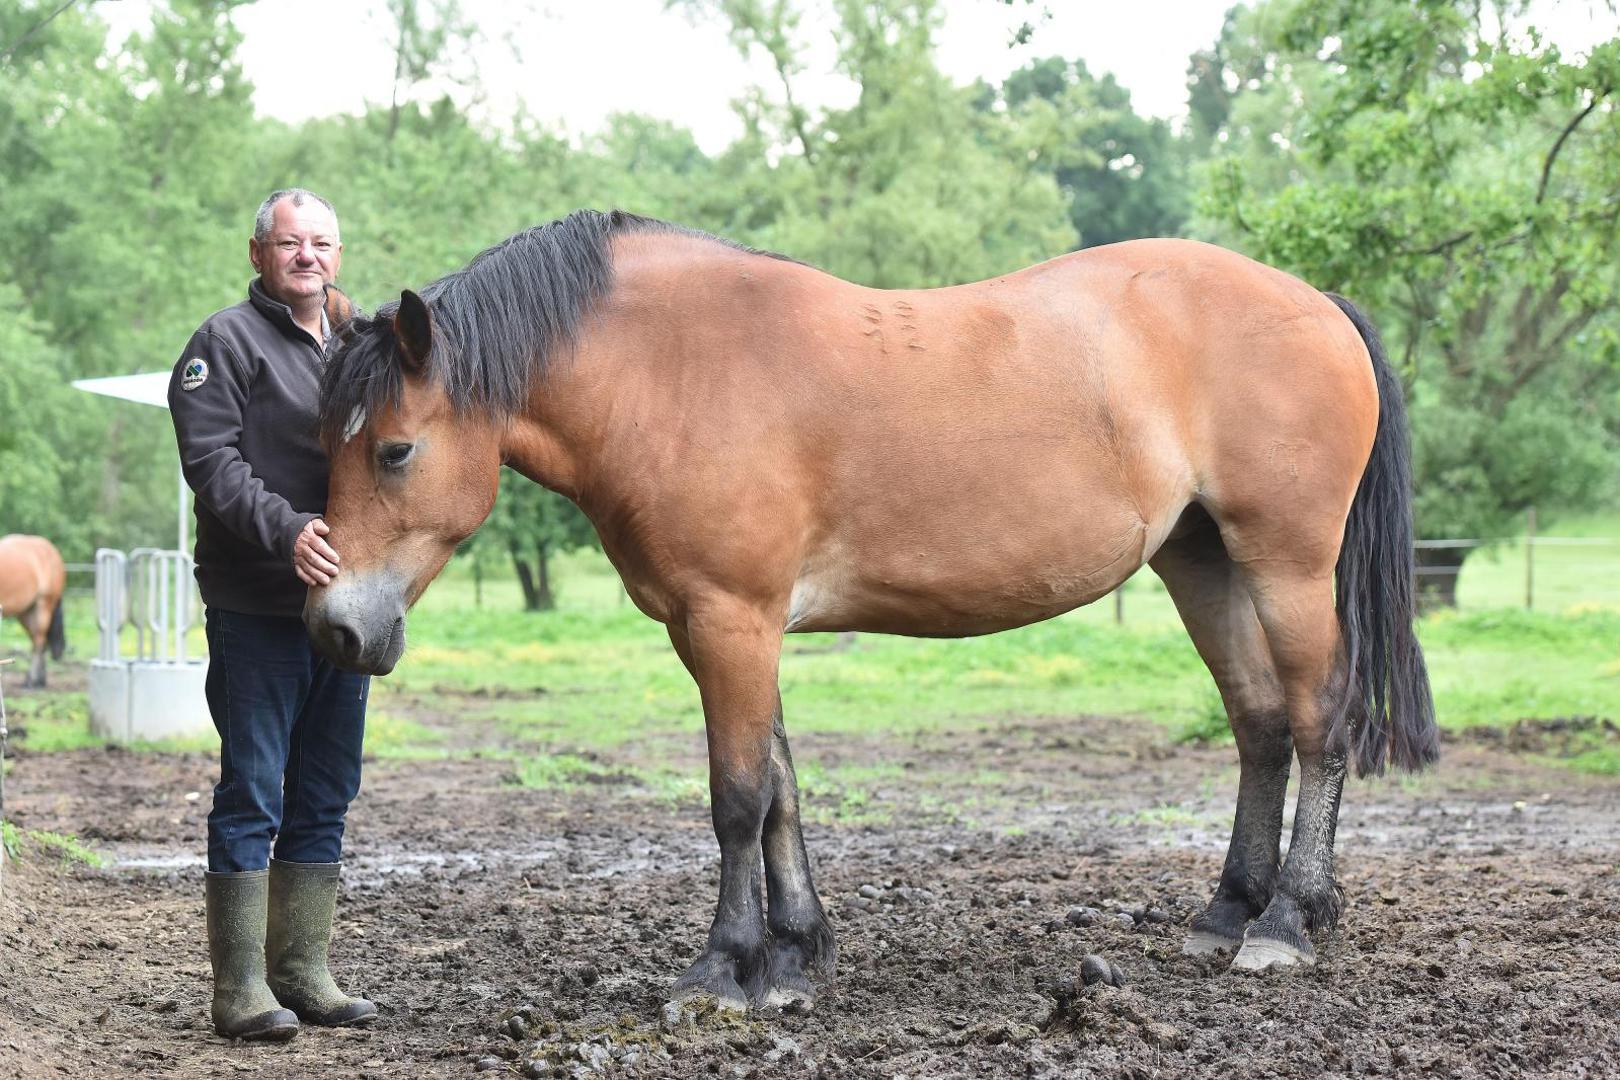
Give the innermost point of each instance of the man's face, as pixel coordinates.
(302, 253)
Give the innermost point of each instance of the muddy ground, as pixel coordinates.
(1481, 935)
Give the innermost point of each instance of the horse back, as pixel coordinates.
(1027, 442)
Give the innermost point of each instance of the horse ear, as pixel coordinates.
(413, 328)
(339, 308)
(339, 313)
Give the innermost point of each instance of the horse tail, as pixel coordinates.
(56, 636)
(1388, 705)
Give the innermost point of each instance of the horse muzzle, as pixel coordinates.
(358, 622)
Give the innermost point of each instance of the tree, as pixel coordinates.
(1455, 173)
(910, 186)
(1129, 179)
(117, 176)
(36, 484)
(128, 177)
(428, 45)
(533, 524)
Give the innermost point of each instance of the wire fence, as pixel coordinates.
(1529, 544)
(1532, 571)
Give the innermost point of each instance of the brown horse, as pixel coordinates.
(766, 449)
(32, 580)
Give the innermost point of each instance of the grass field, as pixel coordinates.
(596, 673)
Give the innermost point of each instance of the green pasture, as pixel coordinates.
(560, 691)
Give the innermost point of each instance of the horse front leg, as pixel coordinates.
(732, 652)
(801, 939)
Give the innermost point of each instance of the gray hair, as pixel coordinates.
(267, 209)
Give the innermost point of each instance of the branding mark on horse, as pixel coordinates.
(195, 375)
(1285, 457)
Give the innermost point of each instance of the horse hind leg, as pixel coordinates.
(37, 622)
(1296, 607)
(1213, 601)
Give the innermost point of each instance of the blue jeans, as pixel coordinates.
(290, 728)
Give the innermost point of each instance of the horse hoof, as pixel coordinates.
(1263, 954)
(723, 1000)
(790, 1000)
(792, 995)
(1204, 943)
(709, 980)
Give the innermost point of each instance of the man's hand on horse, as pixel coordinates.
(313, 558)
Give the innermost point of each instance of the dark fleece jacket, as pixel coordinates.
(243, 397)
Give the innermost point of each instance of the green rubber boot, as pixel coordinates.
(303, 897)
(244, 1007)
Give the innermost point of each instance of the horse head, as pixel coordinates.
(411, 477)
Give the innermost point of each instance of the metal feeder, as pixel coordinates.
(158, 691)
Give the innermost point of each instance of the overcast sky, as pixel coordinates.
(582, 60)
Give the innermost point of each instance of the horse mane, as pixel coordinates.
(498, 323)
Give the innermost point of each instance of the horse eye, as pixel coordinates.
(394, 455)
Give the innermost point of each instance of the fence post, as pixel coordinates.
(3, 663)
(1119, 605)
(1530, 559)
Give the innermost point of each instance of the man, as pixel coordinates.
(243, 398)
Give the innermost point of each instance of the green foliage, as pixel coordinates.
(1459, 182)
(913, 185)
(1124, 176)
(40, 420)
(1481, 468)
(117, 176)
(531, 525)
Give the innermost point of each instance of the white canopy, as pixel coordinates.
(148, 388)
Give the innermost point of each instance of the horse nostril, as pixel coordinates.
(348, 640)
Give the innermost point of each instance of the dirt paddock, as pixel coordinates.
(533, 933)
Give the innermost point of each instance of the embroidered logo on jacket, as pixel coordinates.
(195, 375)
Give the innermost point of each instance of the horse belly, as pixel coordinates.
(964, 590)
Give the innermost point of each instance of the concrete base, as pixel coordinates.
(141, 700)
